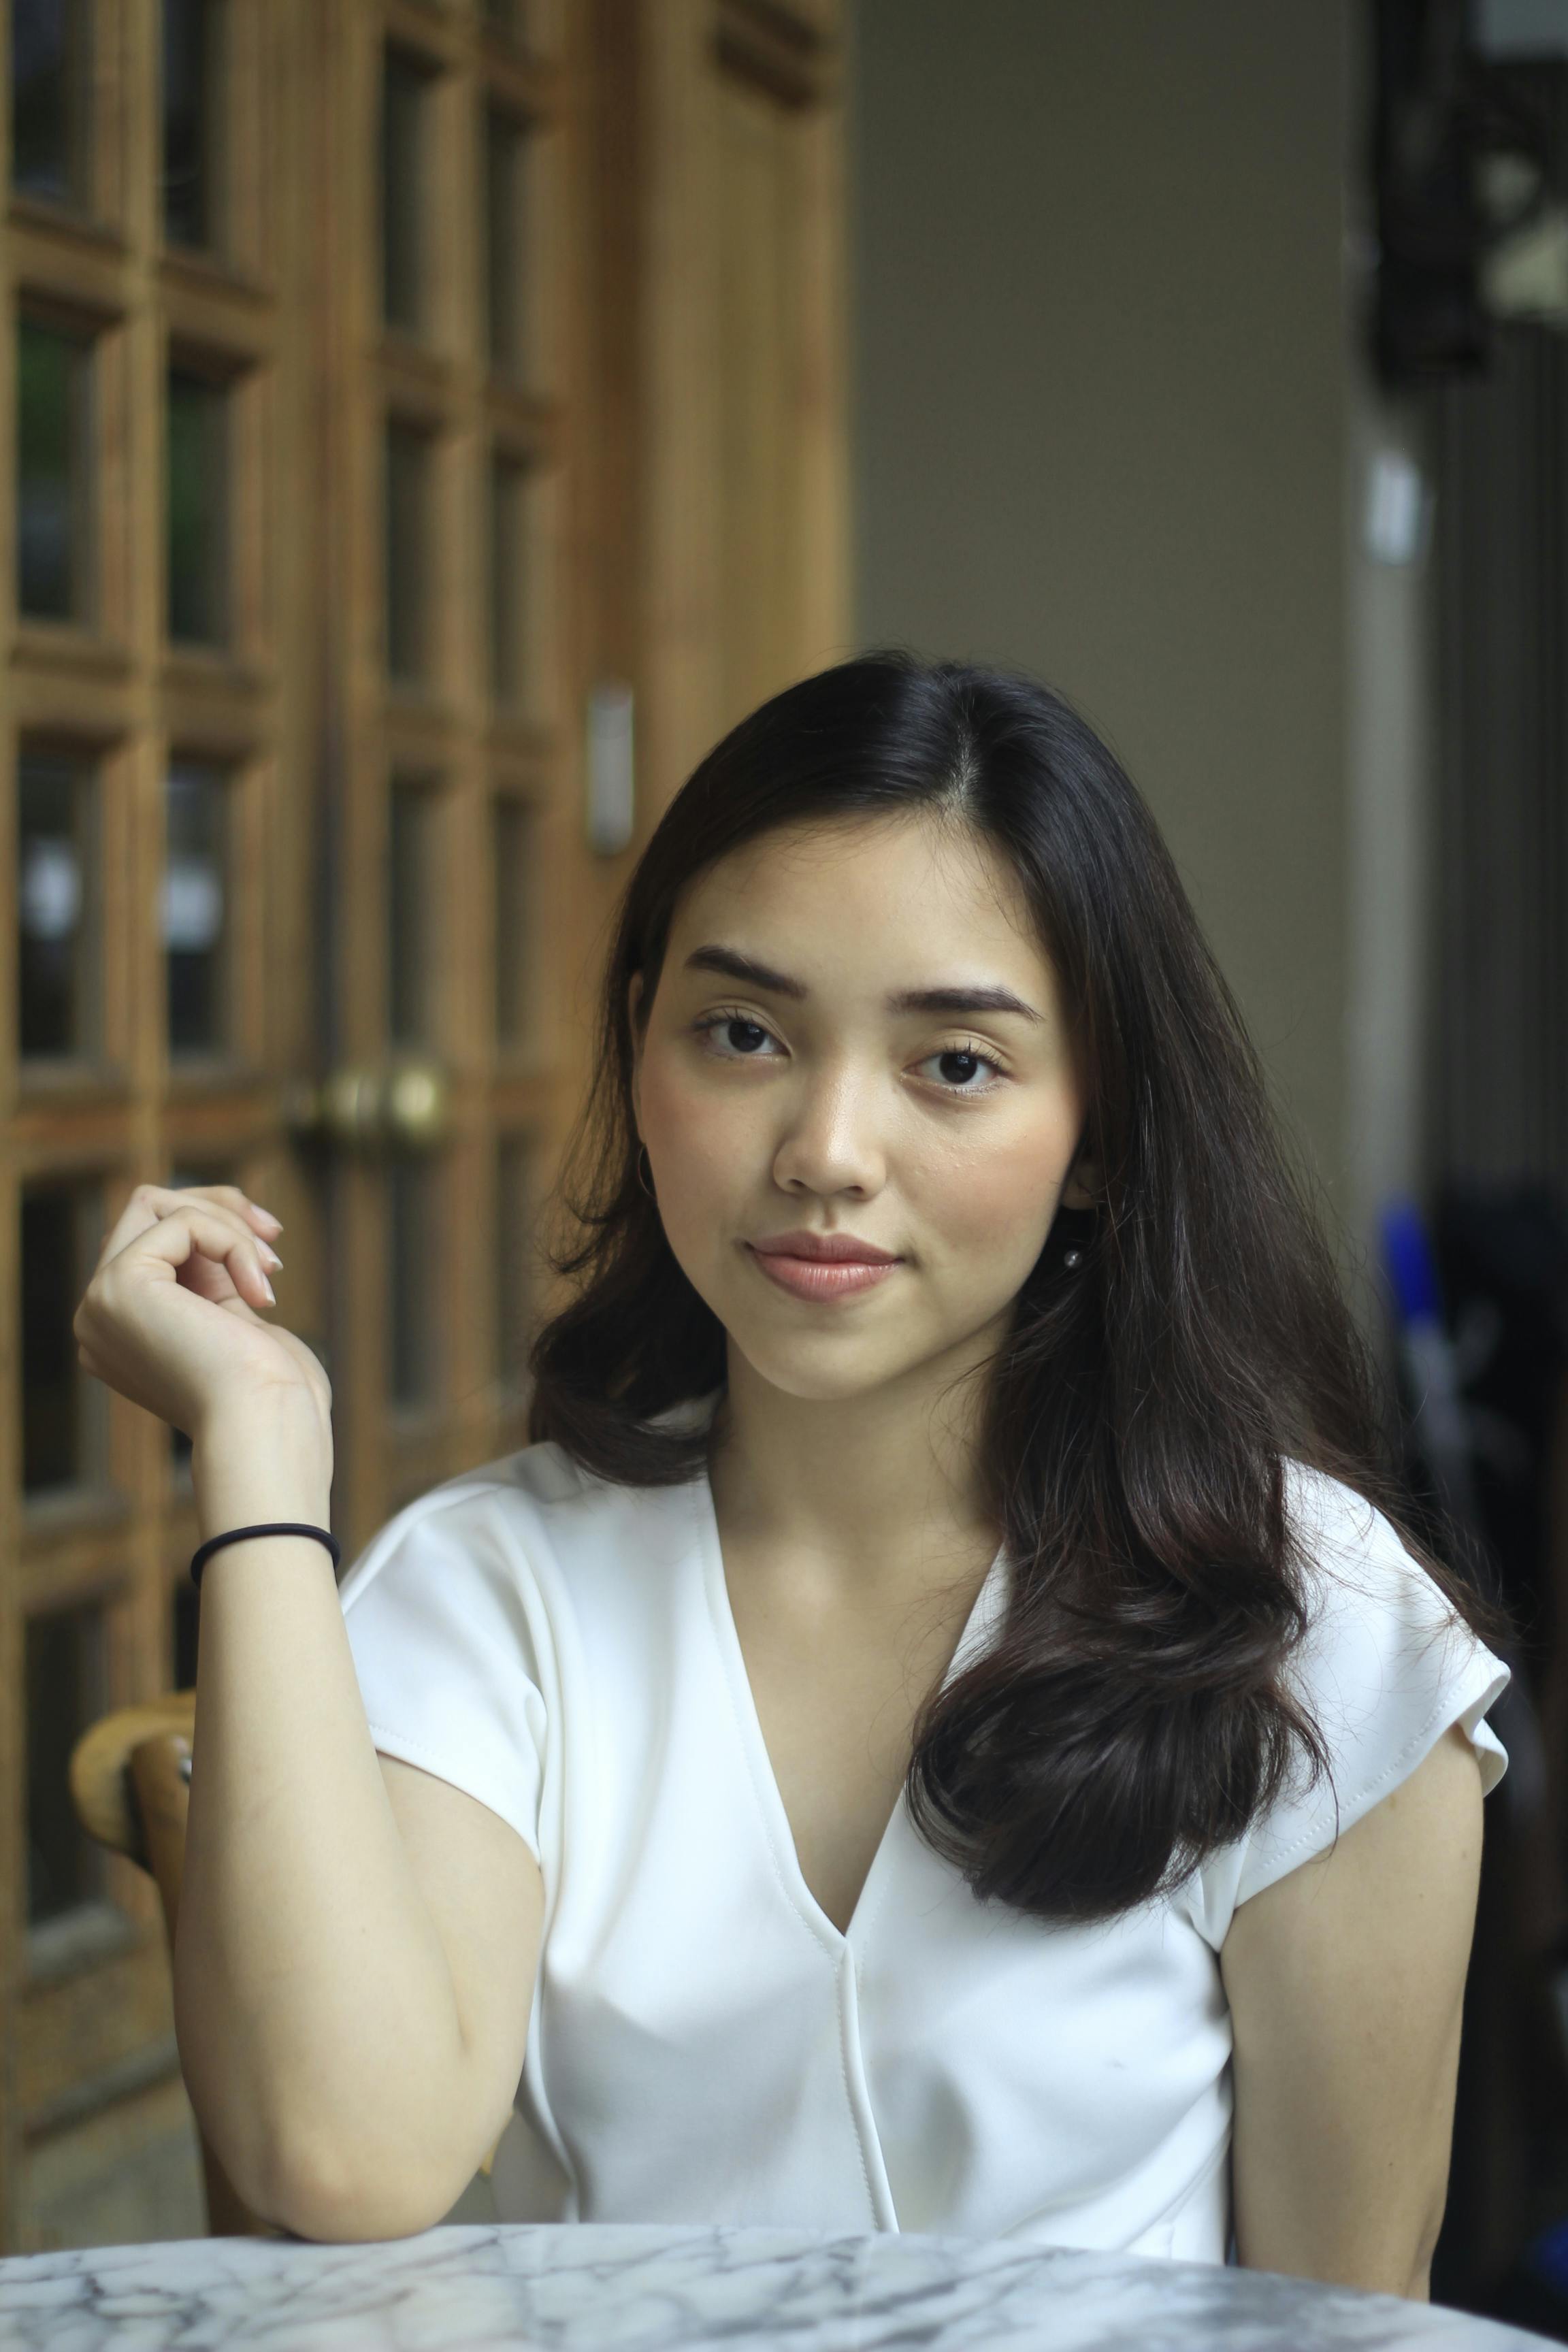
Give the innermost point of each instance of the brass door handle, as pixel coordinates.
(404, 1106)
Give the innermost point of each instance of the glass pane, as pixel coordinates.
(193, 147)
(511, 848)
(411, 904)
(412, 1254)
(194, 911)
(62, 1411)
(198, 508)
(506, 287)
(404, 103)
(516, 1261)
(51, 148)
(58, 905)
(510, 681)
(53, 392)
(68, 1690)
(407, 550)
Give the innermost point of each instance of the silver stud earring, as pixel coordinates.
(1071, 1257)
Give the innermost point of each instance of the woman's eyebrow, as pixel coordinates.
(956, 998)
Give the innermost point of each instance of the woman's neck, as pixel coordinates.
(880, 1490)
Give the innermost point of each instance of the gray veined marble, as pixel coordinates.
(655, 2289)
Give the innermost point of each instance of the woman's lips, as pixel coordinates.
(809, 1277)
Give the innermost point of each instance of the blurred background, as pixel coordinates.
(433, 422)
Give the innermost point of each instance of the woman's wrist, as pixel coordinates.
(268, 1459)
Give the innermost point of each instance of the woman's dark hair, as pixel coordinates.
(1133, 1715)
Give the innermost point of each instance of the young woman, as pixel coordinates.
(945, 1728)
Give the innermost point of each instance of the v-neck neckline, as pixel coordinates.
(749, 1723)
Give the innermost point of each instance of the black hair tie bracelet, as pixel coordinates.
(280, 1528)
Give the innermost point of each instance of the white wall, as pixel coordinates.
(1108, 428)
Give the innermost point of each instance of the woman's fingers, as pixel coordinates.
(262, 1220)
(190, 1229)
(208, 1277)
(208, 1272)
(138, 1213)
(141, 1326)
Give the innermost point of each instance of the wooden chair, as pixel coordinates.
(130, 1782)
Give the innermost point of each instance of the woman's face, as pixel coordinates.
(946, 1137)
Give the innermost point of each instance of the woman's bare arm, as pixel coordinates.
(356, 1941)
(352, 1982)
(1345, 1980)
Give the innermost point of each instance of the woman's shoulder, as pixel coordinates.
(1353, 1560)
(1379, 1627)
(1339, 1529)
(1336, 1518)
(546, 1475)
(535, 1480)
(532, 1510)
(1385, 1664)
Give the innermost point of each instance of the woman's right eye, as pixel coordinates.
(713, 1022)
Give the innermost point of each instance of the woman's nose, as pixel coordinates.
(836, 1142)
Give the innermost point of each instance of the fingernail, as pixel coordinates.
(271, 1294)
(270, 1255)
(267, 1217)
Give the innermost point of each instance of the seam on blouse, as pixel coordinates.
(1443, 1713)
(836, 1959)
(713, 1564)
(711, 1567)
(434, 1757)
(872, 1899)
(866, 1911)
(438, 1501)
(847, 1960)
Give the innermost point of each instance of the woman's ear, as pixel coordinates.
(1083, 1186)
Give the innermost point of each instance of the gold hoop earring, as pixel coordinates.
(647, 1188)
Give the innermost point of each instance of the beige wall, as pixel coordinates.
(1103, 433)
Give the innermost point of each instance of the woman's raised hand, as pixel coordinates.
(172, 1317)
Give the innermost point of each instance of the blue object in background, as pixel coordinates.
(1437, 1418)
(1547, 2258)
(1412, 1268)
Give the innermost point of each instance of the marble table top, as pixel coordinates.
(645, 2288)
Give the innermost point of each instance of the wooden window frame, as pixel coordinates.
(246, 774)
(47, 1075)
(101, 220)
(243, 258)
(103, 622)
(245, 644)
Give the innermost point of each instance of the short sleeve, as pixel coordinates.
(451, 1648)
(1386, 1667)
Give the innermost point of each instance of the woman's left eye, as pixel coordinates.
(719, 1021)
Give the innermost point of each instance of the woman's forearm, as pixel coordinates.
(317, 2022)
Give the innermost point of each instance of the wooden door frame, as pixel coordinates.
(793, 54)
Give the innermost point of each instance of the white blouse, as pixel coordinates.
(704, 2045)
